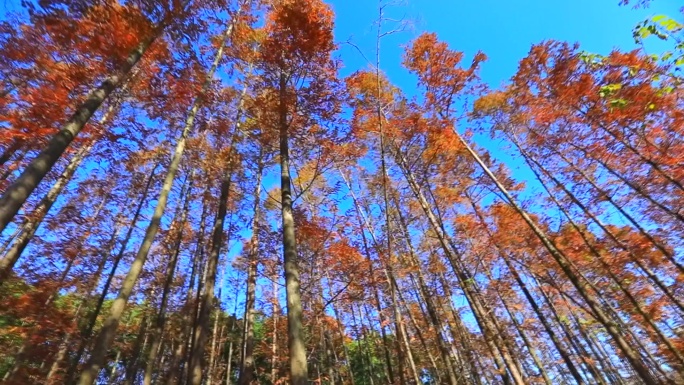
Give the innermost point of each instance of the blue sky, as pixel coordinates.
(503, 30)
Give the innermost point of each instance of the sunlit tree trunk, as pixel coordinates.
(636, 259)
(85, 337)
(363, 224)
(494, 341)
(197, 364)
(106, 335)
(19, 191)
(247, 351)
(133, 364)
(427, 299)
(30, 226)
(274, 336)
(160, 319)
(175, 372)
(631, 355)
(295, 333)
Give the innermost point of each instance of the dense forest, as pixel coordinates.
(193, 194)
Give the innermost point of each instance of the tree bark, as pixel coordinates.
(562, 261)
(295, 330)
(197, 363)
(106, 335)
(247, 351)
(19, 191)
(85, 338)
(160, 319)
(29, 228)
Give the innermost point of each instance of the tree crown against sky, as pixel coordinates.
(342, 192)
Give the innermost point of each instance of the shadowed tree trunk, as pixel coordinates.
(29, 228)
(295, 330)
(247, 351)
(160, 319)
(107, 333)
(17, 193)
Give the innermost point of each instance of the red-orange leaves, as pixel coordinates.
(299, 31)
(437, 68)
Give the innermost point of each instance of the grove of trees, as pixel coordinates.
(191, 193)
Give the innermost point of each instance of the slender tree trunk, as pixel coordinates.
(656, 167)
(229, 363)
(565, 355)
(364, 224)
(22, 355)
(12, 167)
(631, 355)
(133, 364)
(427, 298)
(196, 301)
(113, 373)
(85, 339)
(30, 226)
(626, 215)
(19, 191)
(340, 329)
(10, 151)
(619, 282)
(175, 372)
(295, 329)
(106, 335)
(363, 346)
(460, 333)
(197, 363)
(521, 332)
(573, 339)
(247, 351)
(274, 338)
(160, 319)
(499, 352)
(636, 259)
(62, 354)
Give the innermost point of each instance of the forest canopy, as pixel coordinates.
(209, 192)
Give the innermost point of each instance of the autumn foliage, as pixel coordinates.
(193, 193)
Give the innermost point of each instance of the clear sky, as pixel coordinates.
(503, 30)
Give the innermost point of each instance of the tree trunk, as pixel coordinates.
(106, 335)
(19, 191)
(229, 355)
(29, 228)
(10, 150)
(160, 319)
(175, 374)
(363, 224)
(85, 338)
(427, 298)
(197, 363)
(483, 317)
(562, 261)
(636, 259)
(295, 330)
(138, 347)
(274, 339)
(247, 351)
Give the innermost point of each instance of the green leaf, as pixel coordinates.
(618, 103)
